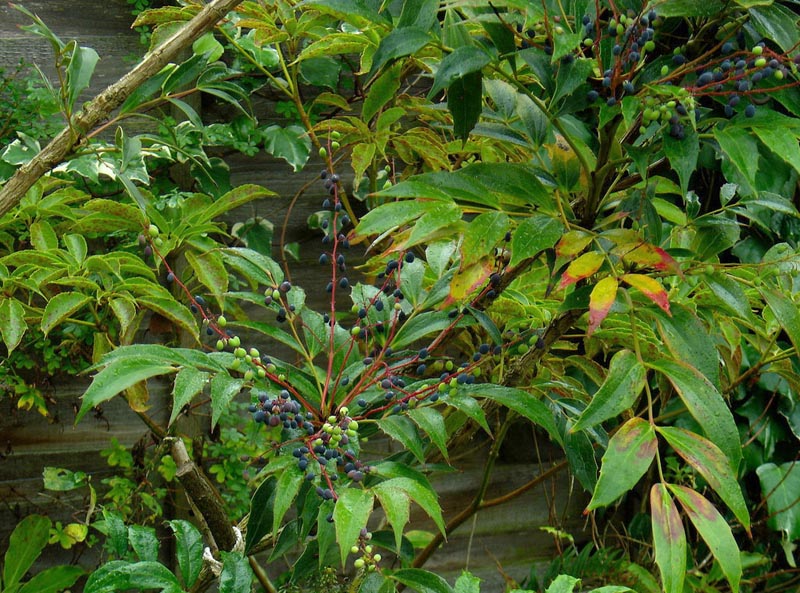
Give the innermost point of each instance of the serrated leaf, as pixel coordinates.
(350, 516)
(403, 431)
(465, 101)
(173, 310)
(629, 454)
(210, 270)
(457, 64)
(572, 243)
(188, 382)
(707, 459)
(469, 407)
(687, 338)
(739, 145)
(582, 267)
(43, 237)
(119, 575)
(12, 323)
(786, 312)
(291, 143)
(533, 235)
(360, 159)
(623, 384)
(60, 307)
(669, 539)
(417, 487)
(563, 583)
(432, 423)
(117, 376)
(24, 546)
(601, 298)
(731, 295)
(53, 580)
(288, 486)
(189, 550)
(237, 576)
(646, 254)
(381, 91)
(714, 530)
(422, 581)
(682, 154)
(223, 389)
(649, 287)
(396, 504)
(238, 196)
(261, 518)
(397, 44)
(523, 403)
(706, 405)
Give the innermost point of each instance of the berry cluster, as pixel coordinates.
(280, 411)
(367, 558)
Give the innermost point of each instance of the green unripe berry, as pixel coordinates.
(152, 230)
(236, 363)
(642, 130)
(359, 563)
(240, 352)
(368, 549)
(477, 372)
(254, 353)
(158, 242)
(650, 45)
(261, 373)
(323, 152)
(235, 342)
(354, 550)
(588, 42)
(620, 29)
(778, 74)
(249, 375)
(332, 419)
(335, 135)
(248, 359)
(220, 345)
(558, 30)
(353, 425)
(523, 348)
(448, 365)
(757, 50)
(442, 387)
(318, 442)
(355, 330)
(760, 62)
(334, 145)
(377, 557)
(276, 294)
(664, 70)
(221, 321)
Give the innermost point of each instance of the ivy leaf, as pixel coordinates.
(60, 307)
(714, 530)
(563, 583)
(649, 287)
(706, 405)
(629, 454)
(623, 384)
(583, 267)
(350, 516)
(601, 298)
(707, 459)
(291, 143)
(117, 376)
(669, 539)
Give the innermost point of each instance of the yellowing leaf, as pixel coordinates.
(583, 267)
(649, 287)
(649, 255)
(600, 301)
(137, 396)
(468, 280)
(572, 243)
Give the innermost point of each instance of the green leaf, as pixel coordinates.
(571, 75)
(563, 583)
(467, 583)
(714, 530)
(741, 148)
(381, 91)
(237, 576)
(422, 581)
(287, 488)
(403, 431)
(291, 143)
(731, 295)
(189, 550)
(210, 271)
(782, 142)
(238, 196)
(261, 513)
(706, 405)
(418, 13)
(786, 312)
(682, 155)
(223, 389)
(432, 424)
(629, 454)
(43, 237)
(416, 486)
(53, 580)
(469, 407)
(707, 459)
(144, 542)
(778, 23)
(533, 235)
(350, 515)
(690, 8)
(464, 101)
(12, 323)
(119, 575)
(188, 382)
(60, 307)
(348, 9)
(173, 310)
(481, 235)
(457, 64)
(523, 403)
(623, 384)
(118, 375)
(62, 480)
(79, 71)
(24, 546)
(397, 44)
(396, 504)
(688, 339)
(779, 487)
(669, 539)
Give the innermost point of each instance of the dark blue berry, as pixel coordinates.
(678, 59)
(344, 282)
(421, 369)
(750, 110)
(592, 96)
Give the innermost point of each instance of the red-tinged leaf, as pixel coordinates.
(468, 280)
(649, 255)
(714, 530)
(649, 287)
(669, 539)
(572, 243)
(600, 301)
(583, 267)
(710, 462)
(630, 453)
